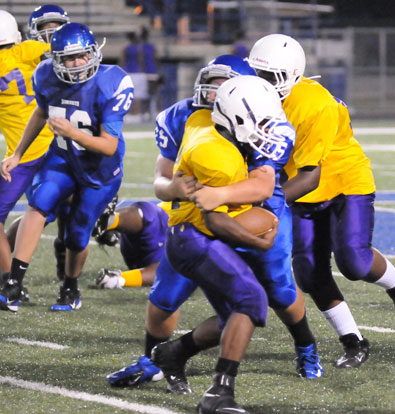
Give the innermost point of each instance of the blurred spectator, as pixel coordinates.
(132, 62)
(239, 48)
(154, 79)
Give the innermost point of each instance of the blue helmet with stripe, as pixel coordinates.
(224, 67)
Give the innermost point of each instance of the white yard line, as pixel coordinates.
(23, 341)
(84, 396)
(377, 329)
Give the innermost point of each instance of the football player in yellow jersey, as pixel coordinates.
(332, 191)
(201, 246)
(17, 102)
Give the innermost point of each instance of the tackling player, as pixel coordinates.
(331, 191)
(84, 103)
(199, 245)
(165, 299)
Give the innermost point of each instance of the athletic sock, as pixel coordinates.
(151, 341)
(18, 269)
(301, 333)
(341, 320)
(387, 281)
(133, 278)
(113, 221)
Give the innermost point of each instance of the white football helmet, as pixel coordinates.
(9, 32)
(280, 59)
(250, 109)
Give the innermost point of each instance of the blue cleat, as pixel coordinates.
(308, 364)
(139, 372)
(10, 295)
(68, 300)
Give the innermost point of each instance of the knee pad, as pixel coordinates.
(354, 262)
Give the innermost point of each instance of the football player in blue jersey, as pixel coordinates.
(84, 103)
(18, 61)
(170, 289)
(43, 22)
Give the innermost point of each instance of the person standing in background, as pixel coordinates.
(131, 61)
(147, 55)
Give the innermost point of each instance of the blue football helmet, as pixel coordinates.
(73, 39)
(224, 66)
(47, 13)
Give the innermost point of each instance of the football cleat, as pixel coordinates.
(24, 295)
(108, 238)
(166, 357)
(356, 351)
(60, 256)
(68, 300)
(308, 364)
(219, 398)
(110, 279)
(391, 294)
(10, 295)
(138, 372)
(3, 279)
(102, 222)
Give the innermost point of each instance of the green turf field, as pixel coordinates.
(38, 376)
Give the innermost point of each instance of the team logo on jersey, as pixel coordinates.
(67, 102)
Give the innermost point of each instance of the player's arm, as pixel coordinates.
(169, 187)
(306, 180)
(258, 187)
(33, 128)
(230, 231)
(104, 144)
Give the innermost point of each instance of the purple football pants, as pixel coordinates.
(344, 226)
(225, 278)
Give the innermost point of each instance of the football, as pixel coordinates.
(256, 220)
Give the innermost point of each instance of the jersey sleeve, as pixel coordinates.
(170, 126)
(116, 98)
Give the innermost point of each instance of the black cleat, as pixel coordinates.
(24, 295)
(3, 279)
(68, 300)
(220, 398)
(108, 238)
(356, 351)
(60, 256)
(102, 222)
(166, 357)
(10, 295)
(391, 294)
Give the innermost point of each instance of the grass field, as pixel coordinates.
(57, 362)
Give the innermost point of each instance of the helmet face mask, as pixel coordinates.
(224, 67)
(9, 33)
(280, 59)
(75, 40)
(250, 109)
(43, 15)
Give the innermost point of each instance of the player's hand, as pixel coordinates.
(183, 185)
(269, 237)
(61, 126)
(208, 198)
(7, 165)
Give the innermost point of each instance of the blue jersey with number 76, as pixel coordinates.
(102, 100)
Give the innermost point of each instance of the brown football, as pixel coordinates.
(256, 220)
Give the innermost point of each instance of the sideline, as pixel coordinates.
(84, 396)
